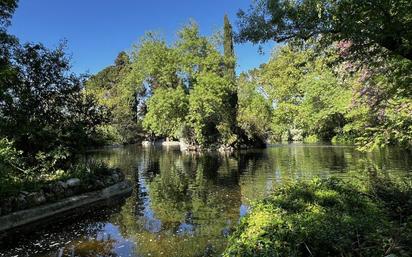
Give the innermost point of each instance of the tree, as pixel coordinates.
(365, 24)
(7, 8)
(315, 98)
(7, 42)
(210, 112)
(255, 112)
(381, 108)
(196, 55)
(43, 108)
(190, 72)
(230, 59)
(308, 97)
(155, 64)
(166, 112)
(113, 90)
(228, 49)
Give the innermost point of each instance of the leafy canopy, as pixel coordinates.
(166, 112)
(365, 24)
(43, 107)
(191, 94)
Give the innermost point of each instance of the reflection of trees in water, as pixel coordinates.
(391, 159)
(303, 162)
(196, 199)
(199, 196)
(261, 170)
(61, 238)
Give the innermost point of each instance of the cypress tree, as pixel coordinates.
(228, 49)
(230, 60)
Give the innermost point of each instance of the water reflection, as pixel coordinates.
(186, 205)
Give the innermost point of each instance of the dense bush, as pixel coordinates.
(327, 217)
(43, 107)
(45, 116)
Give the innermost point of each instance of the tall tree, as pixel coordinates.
(195, 65)
(365, 24)
(228, 48)
(7, 42)
(112, 89)
(42, 107)
(230, 63)
(7, 8)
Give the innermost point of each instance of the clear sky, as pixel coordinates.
(97, 30)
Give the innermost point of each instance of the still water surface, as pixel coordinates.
(187, 205)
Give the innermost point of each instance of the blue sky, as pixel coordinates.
(97, 30)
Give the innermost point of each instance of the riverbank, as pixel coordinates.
(29, 219)
(39, 192)
(57, 199)
(185, 147)
(329, 217)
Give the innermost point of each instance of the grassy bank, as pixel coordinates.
(329, 217)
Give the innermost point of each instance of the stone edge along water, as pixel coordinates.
(46, 213)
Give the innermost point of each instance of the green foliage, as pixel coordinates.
(311, 139)
(208, 110)
(87, 171)
(254, 110)
(191, 95)
(197, 54)
(394, 128)
(10, 160)
(365, 24)
(166, 112)
(341, 77)
(395, 195)
(380, 110)
(228, 48)
(325, 103)
(43, 107)
(154, 63)
(113, 90)
(17, 174)
(109, 134)
(314, 95)
(45, 117)
(306, 93)
(326, 217)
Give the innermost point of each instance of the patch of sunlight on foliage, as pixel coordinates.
(328, 217)
(311, 139)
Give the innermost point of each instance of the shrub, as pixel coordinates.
(311, 139)
(319, 218)
(10, 158)
(16, 175)
(395, 196)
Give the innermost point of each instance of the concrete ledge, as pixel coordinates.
(171, 143)
(51, 211)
